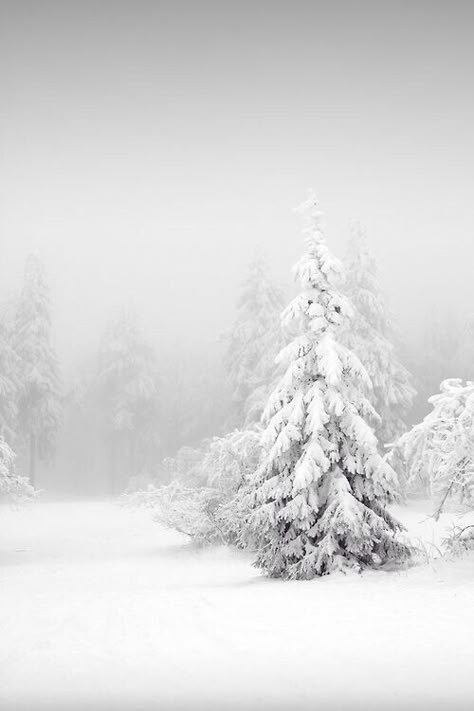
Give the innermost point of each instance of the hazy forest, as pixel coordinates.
(236, 356)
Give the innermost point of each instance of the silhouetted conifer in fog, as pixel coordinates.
(463, 355)
(319, 497)
(39, 403)
(194, 388)
(9, 380)
(253, 344)
(440, 351)
(370, 336)
(128, 383)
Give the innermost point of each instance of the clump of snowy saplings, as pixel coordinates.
(13, 488)
(318, 499)
(205, 502)
(460, 540)
(438, 453)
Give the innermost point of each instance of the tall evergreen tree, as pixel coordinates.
(128, 386)
(318, 499)
(253, 343)
(370, 336)
(39, 408)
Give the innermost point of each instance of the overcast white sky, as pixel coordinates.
(147, 147)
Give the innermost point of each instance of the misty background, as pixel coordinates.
(146, 151)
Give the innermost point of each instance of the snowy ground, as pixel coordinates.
(102, 609)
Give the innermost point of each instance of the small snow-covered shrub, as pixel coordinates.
(221, 462)
(13, 488)
(188, 510)
(201, 513)
(215, 511)
(230, 459)
(460, 540)
(438, 453)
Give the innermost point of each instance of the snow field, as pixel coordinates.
(101, 608)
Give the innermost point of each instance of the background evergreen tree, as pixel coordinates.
(253, 344)
(194, 387)
(318, 499)
(39, 406)
(370, 336)
(128, 390)
(9, 379)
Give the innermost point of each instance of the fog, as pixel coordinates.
(170, 442)
(146, 149)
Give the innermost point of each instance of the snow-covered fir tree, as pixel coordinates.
(253, 343)
(370, 336)
(319, 498)
(129, 393)
(39, 402)
(438, 453)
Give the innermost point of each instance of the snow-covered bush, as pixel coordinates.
(192, 511)
(438, 453)
(188, 510)
(460, 540)
(318, 499)
(13, 488)
(202, 513)
(214, 511)
(229, 460)
(220, 462)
